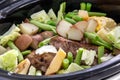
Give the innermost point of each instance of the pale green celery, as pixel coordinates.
(11, 36)
(73, 67)
(8, 60)
(38, 73)
(32, 70)
(40, 16)
(115, 37)
(52, 15)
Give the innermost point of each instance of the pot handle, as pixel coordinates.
(11, 8)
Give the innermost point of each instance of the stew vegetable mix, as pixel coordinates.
(49, 44)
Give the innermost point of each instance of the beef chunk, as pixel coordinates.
(71, 46)
(41, 61)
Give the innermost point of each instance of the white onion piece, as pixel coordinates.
(47, 48)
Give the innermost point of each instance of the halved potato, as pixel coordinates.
(23, 67)
(27, 28)
(74, 33)
(92, 24)
(82, 25)
(63, 27)
(83, 14)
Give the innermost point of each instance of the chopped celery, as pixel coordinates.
(52, 15)
(38, 73)
(62, 71)
(40, 16)
(8, 60)
(73, 67)
(32, 70)
(85, 67)
(115, 37)
(88, 56)
(11, 36)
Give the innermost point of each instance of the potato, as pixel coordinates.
(83, 14)
(23, 42)
(92, 25)
(63, 27)
(82, 25)
(27, 28)
(23, 67)
(74, 33)
(56, 62)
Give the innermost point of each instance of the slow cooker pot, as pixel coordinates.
(18, 10)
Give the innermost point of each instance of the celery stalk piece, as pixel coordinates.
(115, 37)
(52, 15)
(8, 60)
(73, 67)
(38, 73)
(32, 70)
(40, 16)
(12, 35)
(88, 56)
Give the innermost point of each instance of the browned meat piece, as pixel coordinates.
(35, 40)
(47, 34)
(70, 46)
(23, 42)
(41, 62)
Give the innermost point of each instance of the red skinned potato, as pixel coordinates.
(92, 24)
(74, 33)
(82, 25)
(27, 28)
(35, 40)
(83, 14)
(63, 27)
(23, 42)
